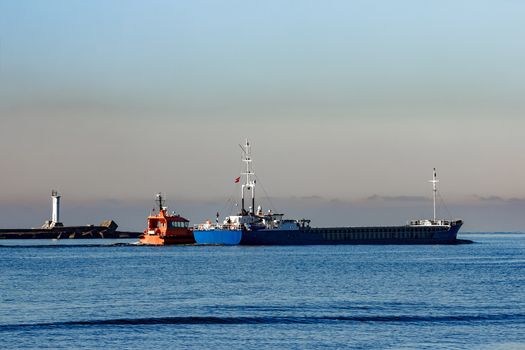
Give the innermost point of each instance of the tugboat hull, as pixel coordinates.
(166, 240)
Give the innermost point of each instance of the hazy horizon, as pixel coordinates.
(347, 102)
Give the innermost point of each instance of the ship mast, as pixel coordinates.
(160, 201)
(434, 182)
(250, 182)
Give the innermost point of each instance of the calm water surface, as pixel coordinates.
(92, 294)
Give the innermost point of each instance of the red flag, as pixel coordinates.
(237, 179)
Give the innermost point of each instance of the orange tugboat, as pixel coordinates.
(165, 228)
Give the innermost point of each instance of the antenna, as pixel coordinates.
(160, 200)
(434, 182)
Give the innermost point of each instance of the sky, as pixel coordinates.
(348, 105)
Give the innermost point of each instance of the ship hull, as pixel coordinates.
(354, 235)
(218, 237)
(333, 235)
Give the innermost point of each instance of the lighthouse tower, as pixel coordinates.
(55, 214)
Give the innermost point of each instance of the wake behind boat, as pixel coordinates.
(251, 227)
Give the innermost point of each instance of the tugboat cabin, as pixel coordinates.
(165, 225)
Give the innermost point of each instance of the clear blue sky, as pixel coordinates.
(342, 99)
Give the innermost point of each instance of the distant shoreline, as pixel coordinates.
(492, 233)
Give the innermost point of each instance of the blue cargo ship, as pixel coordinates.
(253, 227)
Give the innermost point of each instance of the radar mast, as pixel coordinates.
(249, 184)
(160, 201)
(434, 182)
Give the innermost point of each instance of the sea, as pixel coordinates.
(111, 294)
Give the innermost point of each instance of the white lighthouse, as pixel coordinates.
(55, 214)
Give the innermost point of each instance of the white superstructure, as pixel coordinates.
(251, 218)
(434, 221)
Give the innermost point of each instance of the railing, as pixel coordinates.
(439, 222)
(216, 227)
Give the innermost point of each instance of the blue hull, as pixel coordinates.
(222, 237)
